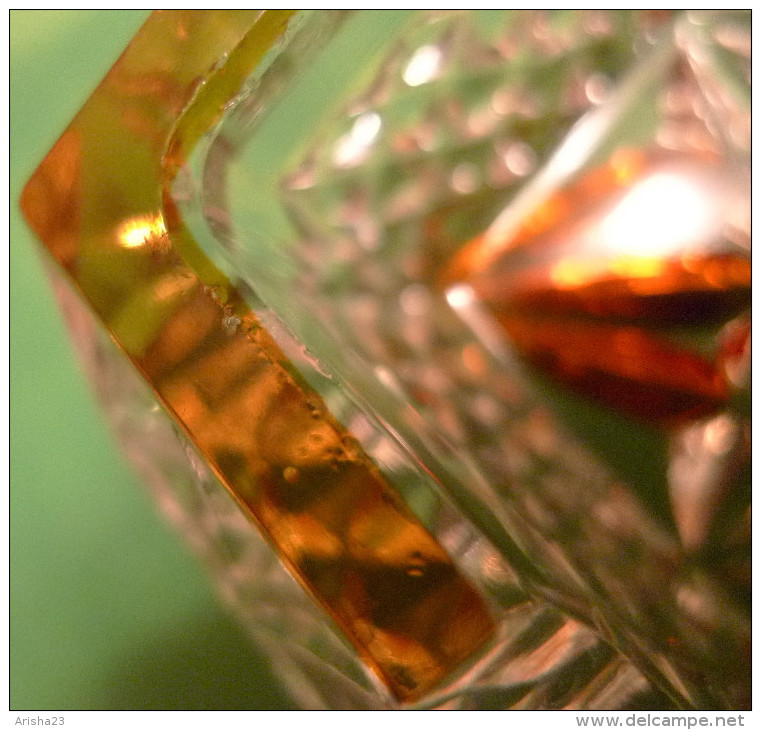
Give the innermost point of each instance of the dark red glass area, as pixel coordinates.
(633, 370)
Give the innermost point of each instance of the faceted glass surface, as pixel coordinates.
(454, 307)
(479, 222)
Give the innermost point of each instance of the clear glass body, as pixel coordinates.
(452, 308)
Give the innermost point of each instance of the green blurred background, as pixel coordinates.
(109, 611)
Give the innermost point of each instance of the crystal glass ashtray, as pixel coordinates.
(432, 335)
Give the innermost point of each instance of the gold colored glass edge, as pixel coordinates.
(100, 205)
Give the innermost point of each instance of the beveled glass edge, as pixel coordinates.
(99, 199)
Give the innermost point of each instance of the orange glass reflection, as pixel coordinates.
(645, 240)
(333, 519)
(142, 231)
(639, 373)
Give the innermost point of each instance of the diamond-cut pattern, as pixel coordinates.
(445, 158)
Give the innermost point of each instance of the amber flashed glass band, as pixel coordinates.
(100, 203)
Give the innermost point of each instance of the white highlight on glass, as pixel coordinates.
(424, 66)
(460, 296)
(660, 215)
(519, 159)
(353, 147)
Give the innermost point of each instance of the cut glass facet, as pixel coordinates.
(407, 284)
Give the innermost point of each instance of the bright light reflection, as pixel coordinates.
(573, 273)
(424, 66)
(659, 216)
(460, 296)
(638, 267)
(719, 434)
(142, 230)
(352, 147)
(578, 146)
(366, 128)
